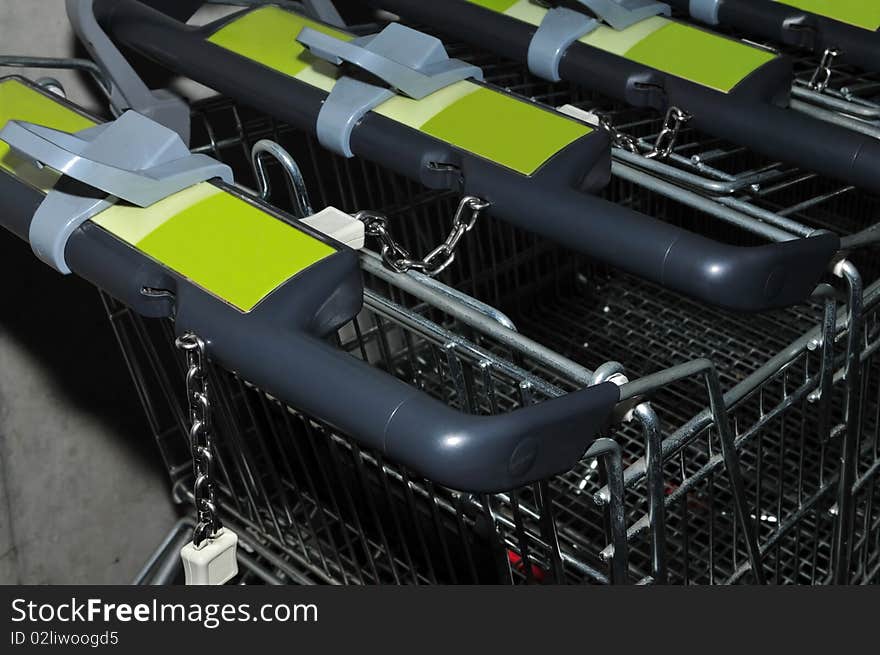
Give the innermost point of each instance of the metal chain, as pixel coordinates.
(620, 139)
(397, 258)
(664, 144)
(208, 522)
(822, 75)
(675, 119)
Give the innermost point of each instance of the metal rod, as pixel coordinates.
(734, 473)
(59, 63)
(372, 263)
(714, 187)
(610, 450)
(701, 203)
(771, 218)
(302, 206)
(844, 532)
(835, 118)
(656, 487)
(495, 314)
(862, 112)
(382, 305)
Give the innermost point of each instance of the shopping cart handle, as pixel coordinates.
(740, 278)
(274, 333)
(753, 113)
(275, 348)
(550, 201)
(280, 346)
(857, 41)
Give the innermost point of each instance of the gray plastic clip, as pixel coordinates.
(133, 158)
(127, 89)
(560, 28)
(563, 26)
(412, 63)
(705, 10)
(621, 14)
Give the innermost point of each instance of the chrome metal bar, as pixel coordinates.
(713, 187)
(495, 314)
(701, 203)
(672, 443)
(835, 118)
(611, 453)
(843, 546)
(477, 319)
(771, 218)
(651, 429)
(444, 338)
(856, 110)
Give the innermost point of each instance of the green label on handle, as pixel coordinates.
(224, 244)
(21, 102)
(861, 13)
(682, 50)
(493, 125)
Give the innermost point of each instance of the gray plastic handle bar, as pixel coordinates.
(789, 25)
(279, 346)
(740, 278)
(455, 449)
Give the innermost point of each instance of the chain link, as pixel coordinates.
(200, 437)
(620, 139)
(822, 75)
(664, 144)
(675, 119)
(397, 258)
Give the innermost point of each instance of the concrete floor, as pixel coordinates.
(40, 27)
(83, 496)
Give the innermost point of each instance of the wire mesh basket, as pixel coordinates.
(744, 449)
(773, 407)
(324, 508)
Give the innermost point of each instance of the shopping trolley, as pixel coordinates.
(320, 507)
(771, 409)
(370, 521)
(490, 387)
(762, 192)
(776, 196)
(632, 52)
(430, 139)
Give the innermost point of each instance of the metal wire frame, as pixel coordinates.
(264, 566)
(654, 327)
(699, 551)
(851, 97)
(521, 521)
(735, 192)
(786, 199)
(286, 478)
(516, 519)
(841, 94)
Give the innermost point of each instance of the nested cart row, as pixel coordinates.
(740, 448)
(776, 369)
